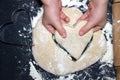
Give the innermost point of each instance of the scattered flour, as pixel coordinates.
(35, 19)
(33, 72)
(108, 57)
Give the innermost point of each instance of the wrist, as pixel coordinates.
(46, 2)
(100, 2)
(49, 2)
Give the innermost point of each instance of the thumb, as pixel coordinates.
(58, 26)
(86, 28)
(84, 16)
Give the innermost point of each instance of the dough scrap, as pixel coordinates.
(53, 59)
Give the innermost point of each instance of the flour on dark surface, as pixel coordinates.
(25, 66)
(101, 70)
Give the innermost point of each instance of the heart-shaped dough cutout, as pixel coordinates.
(73, 38)
(74, 43)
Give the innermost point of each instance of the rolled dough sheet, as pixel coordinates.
(53, 59)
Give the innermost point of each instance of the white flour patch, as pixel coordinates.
(69, 77)
(33, 72)
(76, 3)
(35, 19)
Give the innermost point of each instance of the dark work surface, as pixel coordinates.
(6, 8)
(14, 59)
(7, 61)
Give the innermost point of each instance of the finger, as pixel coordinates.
(50, 28)
(62, 21)
(84, 16)
(58, 26)
(85, 28)
(64, 17)
(97, 28)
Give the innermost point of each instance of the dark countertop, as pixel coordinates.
(14, 59)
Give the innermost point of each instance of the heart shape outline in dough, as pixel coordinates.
(73, 40)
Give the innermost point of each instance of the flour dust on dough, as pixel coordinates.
(55, 60)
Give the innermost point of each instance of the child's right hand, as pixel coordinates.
(53, 17)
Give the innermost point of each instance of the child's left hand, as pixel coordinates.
(96, 16)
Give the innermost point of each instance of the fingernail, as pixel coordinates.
(67, 19)
(52, 30)
(81, 33)
(64, 35)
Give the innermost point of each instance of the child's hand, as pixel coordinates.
(53, 17)
(96, 16)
